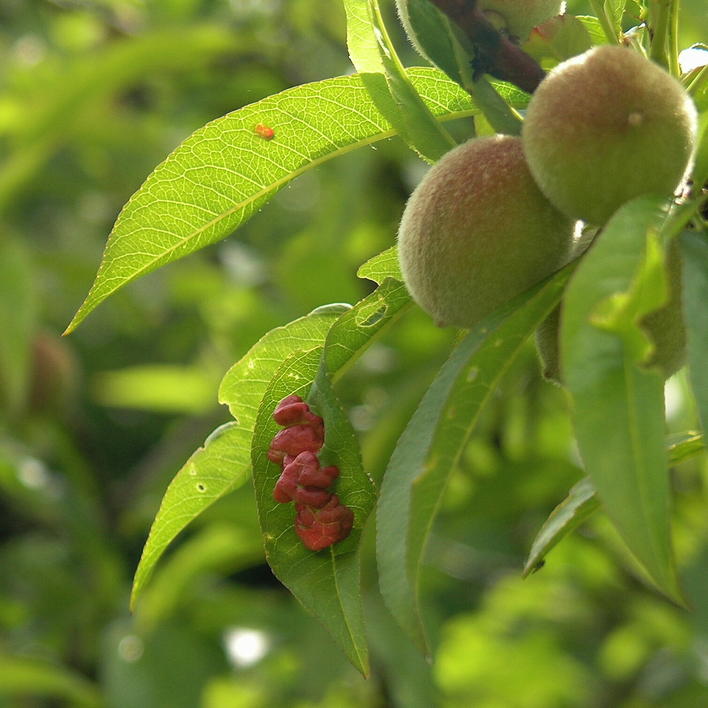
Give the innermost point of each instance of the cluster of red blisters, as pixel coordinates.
(321, 518)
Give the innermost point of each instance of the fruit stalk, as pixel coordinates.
(664, 26)
(497, 54)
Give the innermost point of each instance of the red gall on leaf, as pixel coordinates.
(292, 410)
(320, 528)
(290, 487)
(294, 440)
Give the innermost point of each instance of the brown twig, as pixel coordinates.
(497, 54)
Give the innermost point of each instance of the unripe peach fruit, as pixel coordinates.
(477, 231)
(519, 17)
(605, 127)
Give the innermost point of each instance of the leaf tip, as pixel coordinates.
(76, 320)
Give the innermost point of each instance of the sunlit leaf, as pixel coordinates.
(244, 384)
(362, 43)
(224, 463)
(594, 28)
(618, 404)
(384, 265)
(223, 173)
(215, 469)
(432, 442)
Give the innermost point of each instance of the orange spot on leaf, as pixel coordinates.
(265, 131)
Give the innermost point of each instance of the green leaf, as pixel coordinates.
(356, 329)
(215, 469)
(224, 463)
(244, 384)
(619, 405)
(18, 310)
(388, 84)
(695, 300)
(327, 583)
(594, 28)
(580, 503)
(362, 43)
(435, 38)
(614, 10)
(24, 677)
(225, 171)
(384, 265)
(431, 444)
(328, 589)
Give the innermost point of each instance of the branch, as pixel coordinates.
(497, 55)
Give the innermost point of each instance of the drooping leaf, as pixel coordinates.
(429, 447)
(328, 588)
(327, 583)
(215, 469)
(382, 72)
(225, 171)
(435, 38)
(695, 303)
(618, 404)
(580, 503)
(224, 462)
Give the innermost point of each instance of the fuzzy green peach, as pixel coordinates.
(477, 231)
(605, 127)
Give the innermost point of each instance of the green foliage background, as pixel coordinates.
(93, 427)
